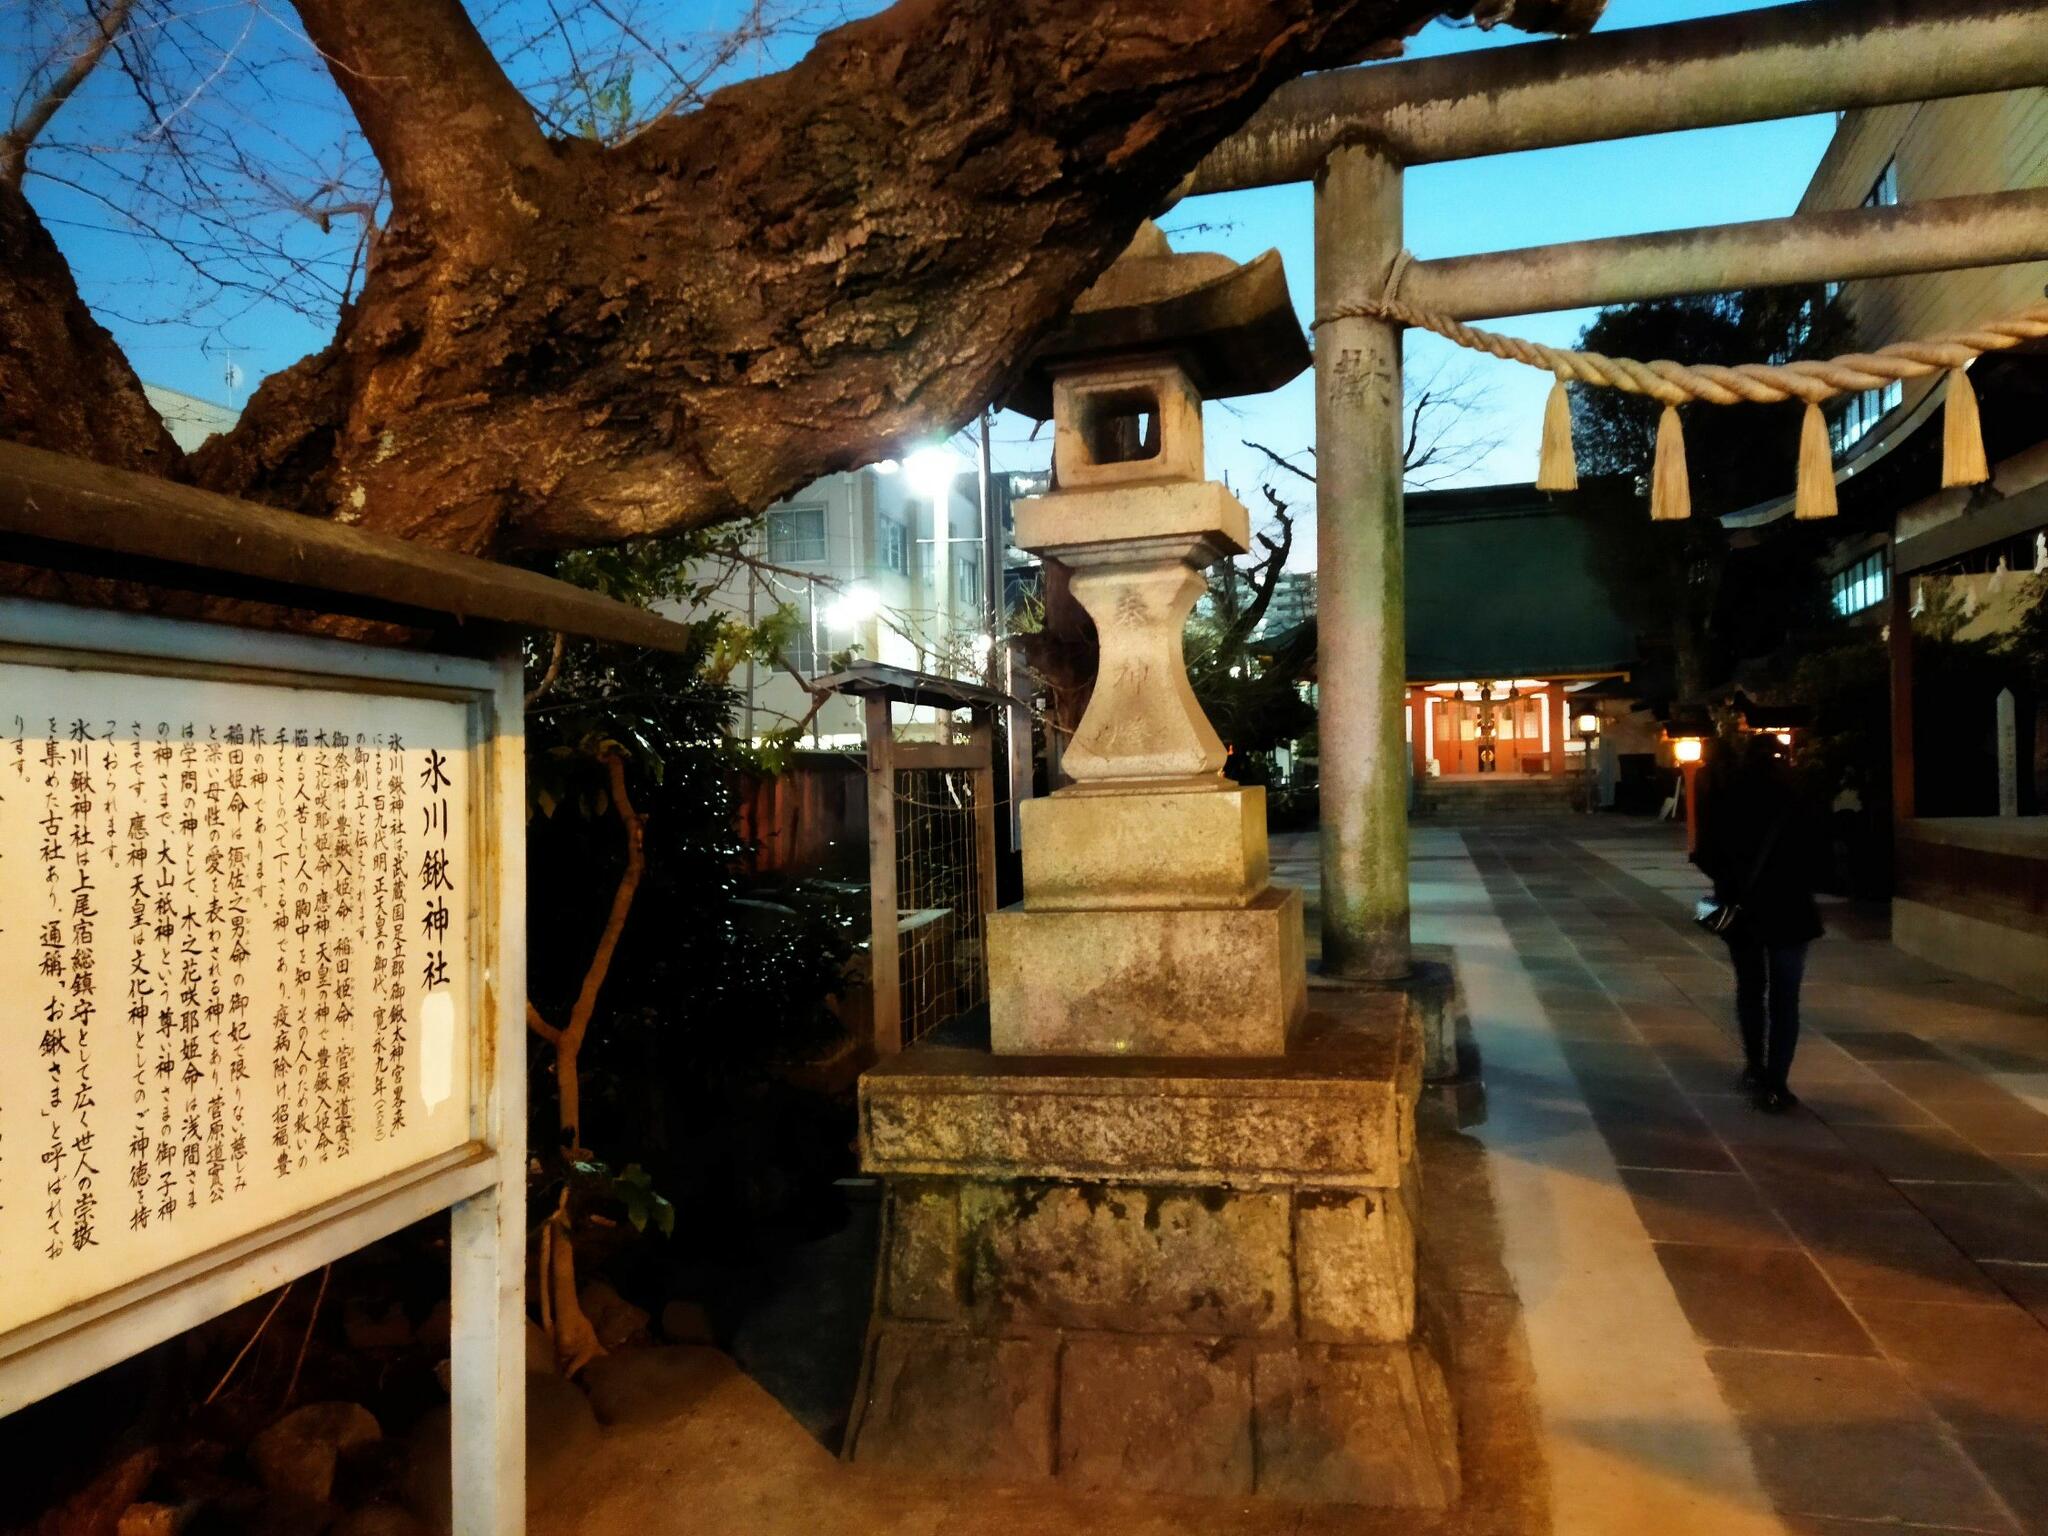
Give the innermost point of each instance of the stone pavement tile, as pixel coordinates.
(1595, 1060)
(1988, 1221)
(1891, 1255)
(1997, 1125)
(1760, 1298)
(1921, 1152)
(2026, 1284)
(1577, 1000)
(1661, 1014)
(1820, 1060)
(1827, 1525)
(1885, 1045)
(1576, 1025)
(1704, 1065)
(1809, 1141)
(1869, 1102)
(1984, 1369)
(1939, 1082)
(1723, 1209)
(2017, 1467)
(1847, 1438)
(2028, 1167)
(1647, 1130)
(1814, 1191)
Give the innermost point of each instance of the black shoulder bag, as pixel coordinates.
(1720, 917)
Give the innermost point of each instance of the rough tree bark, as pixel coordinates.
(562, 343)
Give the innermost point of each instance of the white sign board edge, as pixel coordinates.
(482, 1184)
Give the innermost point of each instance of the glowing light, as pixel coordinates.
(854, 607)
(931, 471)
(1784, 738)
(1589, 723)
(886, 466)
(1688, 749)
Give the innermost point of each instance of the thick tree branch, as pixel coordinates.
(455, 138)
(14, 143)
(810, 271)
(558, 343)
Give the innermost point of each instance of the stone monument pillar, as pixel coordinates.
(1160, 1234)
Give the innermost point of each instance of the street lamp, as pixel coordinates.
(1688, 750)
(1588, 723)
(930, 473)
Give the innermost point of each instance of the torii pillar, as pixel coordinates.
(1361, 613)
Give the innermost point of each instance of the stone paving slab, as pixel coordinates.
(1890, 1368)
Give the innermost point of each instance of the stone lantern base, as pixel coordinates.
(1194, 1276)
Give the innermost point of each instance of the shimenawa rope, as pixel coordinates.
(1675, 384)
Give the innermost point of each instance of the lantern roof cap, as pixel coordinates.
(1232, 328)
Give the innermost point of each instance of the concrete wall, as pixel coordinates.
(1973, 897)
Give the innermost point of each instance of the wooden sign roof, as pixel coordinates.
(71, 514)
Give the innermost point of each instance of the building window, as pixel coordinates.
(802, 650)
(892, 546)
(1863, 585)
(967, 581)
(796, 535)
(1861, 412)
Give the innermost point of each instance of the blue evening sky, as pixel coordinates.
(1670, 181)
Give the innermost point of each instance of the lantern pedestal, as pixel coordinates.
(1177, 1275)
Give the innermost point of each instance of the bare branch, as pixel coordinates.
(14, 143)
(553, 674)
(1282, 461)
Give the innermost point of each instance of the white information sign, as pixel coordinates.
(262, 987)
(235, 937)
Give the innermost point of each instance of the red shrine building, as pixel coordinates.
(1512, 639)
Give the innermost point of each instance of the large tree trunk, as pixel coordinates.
(561, 343)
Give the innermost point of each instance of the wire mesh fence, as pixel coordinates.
(942, 957)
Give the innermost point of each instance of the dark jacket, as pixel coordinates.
(1742, 798)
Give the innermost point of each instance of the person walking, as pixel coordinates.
(1758, 843)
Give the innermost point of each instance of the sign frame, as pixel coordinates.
(482, 1184)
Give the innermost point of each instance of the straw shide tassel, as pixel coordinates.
(1815, 496)
(1962, 435)
(1670, 487)
(1557, 469)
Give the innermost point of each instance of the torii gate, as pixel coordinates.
(1354, 131)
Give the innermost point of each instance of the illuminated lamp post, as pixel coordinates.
(1588, 723)
(1688, 750)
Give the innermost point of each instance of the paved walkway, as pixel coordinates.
(1832, 1323)
(1812, 1322)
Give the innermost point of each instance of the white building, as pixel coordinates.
(870, 568)
(189, 419)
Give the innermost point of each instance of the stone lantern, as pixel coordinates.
(1158, 1234)
(1149, 924)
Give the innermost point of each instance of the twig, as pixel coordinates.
(326, 1274)
(235, 1364)
(1283, 462)
(15, 142)
(554, 672)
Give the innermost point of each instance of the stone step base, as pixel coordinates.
(1497, 798)
(1226, 1418)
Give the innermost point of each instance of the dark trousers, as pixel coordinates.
(1767, 1004)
